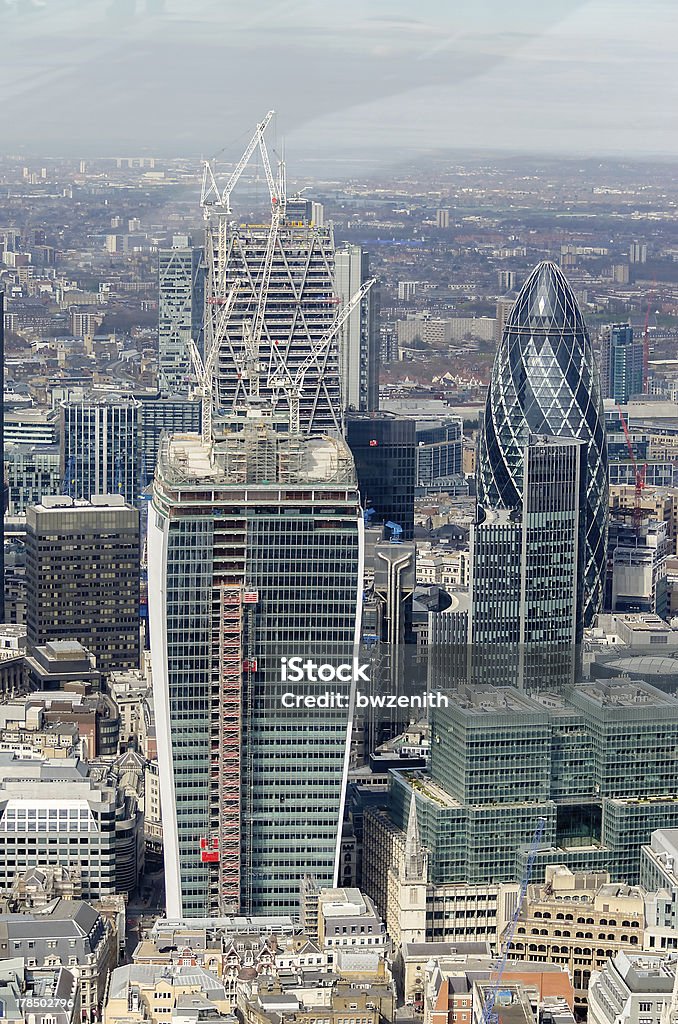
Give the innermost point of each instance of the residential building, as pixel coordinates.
(359, 337)
(621, 372)
(82, 577)
(546, 345)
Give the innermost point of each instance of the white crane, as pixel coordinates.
(294, 386)
(211, 195)
(204, 370)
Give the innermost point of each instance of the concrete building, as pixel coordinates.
(82, 577)
(67, 933)
(578, 920)
(347, 918)
(31, 472)
(54, 813)
(152, 994)
(631, 988)
(47, 996)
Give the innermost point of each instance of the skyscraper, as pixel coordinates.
(2, 457)
(621, 372)
(359, 339)
(100, 445)
(527, 573)
(384, 448)
(545, 382)
(255, 553)
(286, 304)
(180, 297)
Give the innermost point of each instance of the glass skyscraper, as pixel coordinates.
(621, 363)
(255, 550)
(545, 382)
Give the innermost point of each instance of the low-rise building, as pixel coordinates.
(152, 994)
(632, 988)
(579, 920)
(346, 917)
(47, 996)
(67, 933)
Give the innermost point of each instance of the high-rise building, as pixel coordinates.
(255, 553)
(439, 453)
(384, 448)
(180, 300)
(3, 498)
(82, 577)
(638, 252)
(527, 572)
(545, 382)
(285, 306)
(359, 338)
(173, 414)
(621, 372)
(100, 446)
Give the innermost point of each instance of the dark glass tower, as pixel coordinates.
(384, 447)
(545, 382)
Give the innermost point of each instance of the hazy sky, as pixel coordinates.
(347, 78)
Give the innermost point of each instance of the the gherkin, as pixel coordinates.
(545, 381)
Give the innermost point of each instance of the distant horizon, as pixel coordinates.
(374, 79)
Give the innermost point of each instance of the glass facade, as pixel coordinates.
(100, 440)
(622, 371)
(180, 299)
(253, 558)
(384, 449)
(545, 381)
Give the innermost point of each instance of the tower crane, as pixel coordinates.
(204, 370)
(294, 386)
(211, 194)
(489, 1014)
(638, 472)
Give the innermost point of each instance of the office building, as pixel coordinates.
(359, 337)
(100, 446)
(2, 457)
(55, 814)
(384, 449)
(31, 426)
(637, 568)
(180, 302)
(621, 371)
(285, 306)
(31, 473)
(82, 577)
(439, 454)
(160, 414)
(632, 988)
(594, 762)
(255, 552)
(527, 573)
(545, 382)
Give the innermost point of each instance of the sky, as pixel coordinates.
(379, 80)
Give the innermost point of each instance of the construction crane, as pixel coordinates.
(204, 370)
(490, 1016)
(294, 386)
(638, 472)
(211, 194)
(68, 482)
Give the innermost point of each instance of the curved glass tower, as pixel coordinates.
(545, 381)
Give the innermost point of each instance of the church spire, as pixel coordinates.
(415, 855)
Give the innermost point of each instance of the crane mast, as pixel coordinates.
(489, 1014)
(294, 386)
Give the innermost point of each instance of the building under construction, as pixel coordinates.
(255, 554)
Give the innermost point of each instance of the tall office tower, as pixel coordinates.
(255, 550)
(160, 414)
(3, 499)
(99, 438)
(359, 340)
(285, 306)
(527, 573)
(384, 449)
(545, 381)
(621, 371)
(180, 298)
(82, 577)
